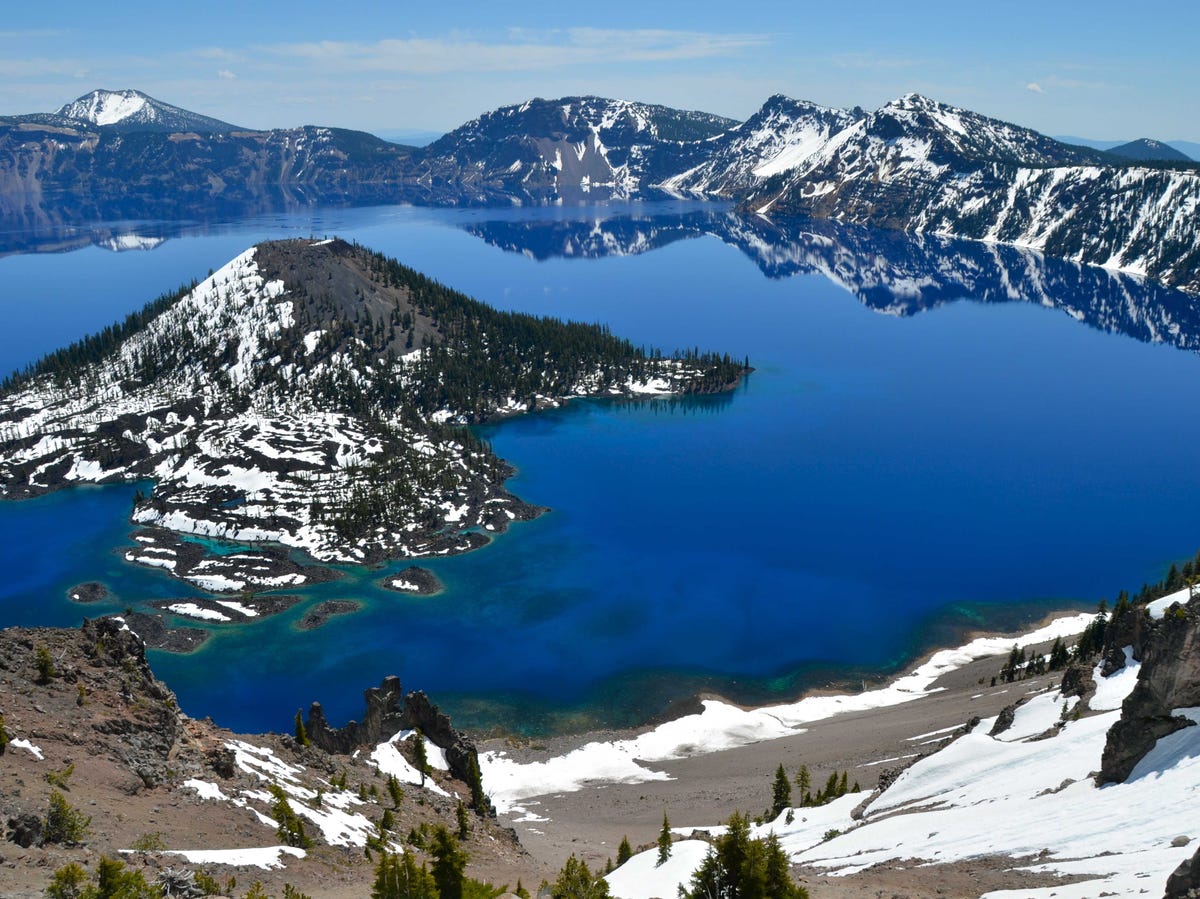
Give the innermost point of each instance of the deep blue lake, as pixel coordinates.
(938, 436)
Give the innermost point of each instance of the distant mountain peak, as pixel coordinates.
(1147, 149)
(132, 110)
(913, 100)
(105, 107)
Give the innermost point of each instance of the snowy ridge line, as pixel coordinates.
(920, 166)
(724, 726)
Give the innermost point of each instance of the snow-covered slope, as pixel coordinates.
(574, 146)
(1031, 798)
(918, 165)
(777, 138)
(1025, 795)
(131, 110)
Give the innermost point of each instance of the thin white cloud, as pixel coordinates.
(39, 67)
(520, 50)
(1034, 87)
(226, 75)
(31, 34)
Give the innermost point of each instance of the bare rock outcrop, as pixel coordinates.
(1169, 679)
(388, 712)
(1184, 882)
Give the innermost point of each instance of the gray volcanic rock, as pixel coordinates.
(388, 712)
(383, 718)
(1184, 882)
(1169, 679)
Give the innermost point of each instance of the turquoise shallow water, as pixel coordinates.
(878, 484)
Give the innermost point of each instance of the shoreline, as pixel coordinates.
(589, 790)
(827, 679)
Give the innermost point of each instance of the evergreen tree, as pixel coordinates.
(1059, 656)
(45, 664)
(68, 882)
(420, 756)
(64, 824)
(782, 794)
(301, 732)
(804, 783)
(575, 881)
(664, 840)
(114, 881)
(624, 852)
(395, 791)
(291, 828)
(449, 862)
(479, 799)
(464, 828)
(398, 877)
(738, 867)
(830, 791)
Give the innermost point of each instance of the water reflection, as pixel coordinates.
(892, 272)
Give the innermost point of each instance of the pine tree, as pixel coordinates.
(624, 851)
(804, 782)
(449, 862)
(395, 791)
(45, 664)
(782, 794)
(301, 732)
(398, 877)
(464, 827)
(479, 799)
(291, 828)
(576, 881)
(63, 823)
(68, 882)
(664, 840)
(738, 867)
(420, 756)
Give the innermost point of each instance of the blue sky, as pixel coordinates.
(1102, 70)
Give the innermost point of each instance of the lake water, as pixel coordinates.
(937, 436)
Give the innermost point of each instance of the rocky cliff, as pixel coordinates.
(1168, 681)
(83, 717)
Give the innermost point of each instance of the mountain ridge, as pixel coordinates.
(914, 164)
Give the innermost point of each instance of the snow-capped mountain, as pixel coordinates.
(913, 165)
(130, 110)
(779, 137)
(573, 145)
(919, 165)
